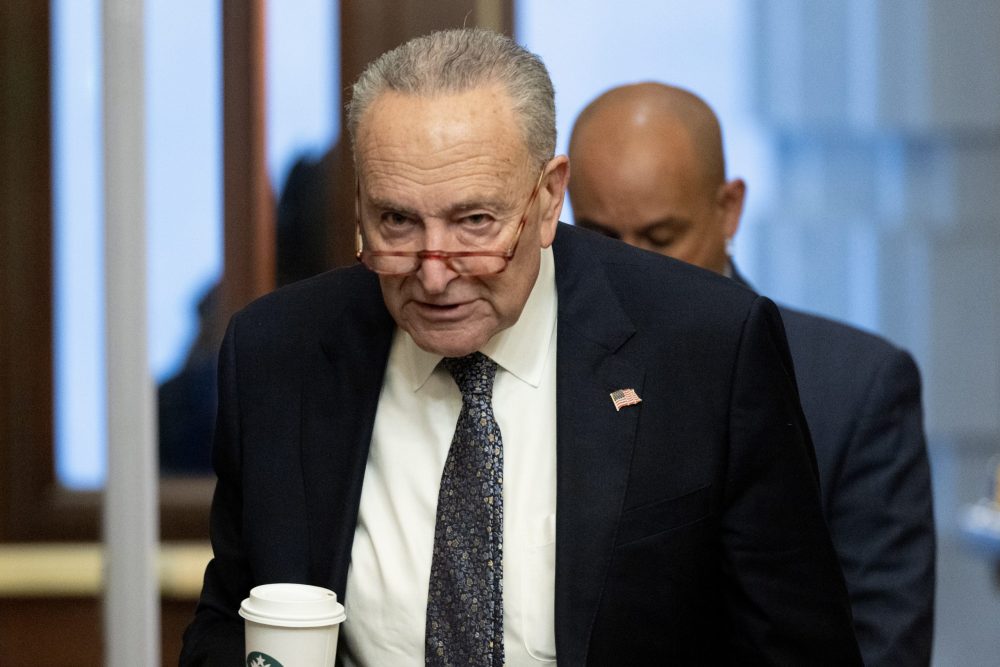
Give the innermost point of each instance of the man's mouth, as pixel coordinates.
(442, 311)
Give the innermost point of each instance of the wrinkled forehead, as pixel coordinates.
(435, 130)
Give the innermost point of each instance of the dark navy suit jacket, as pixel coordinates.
(861, 398)
(688, 530)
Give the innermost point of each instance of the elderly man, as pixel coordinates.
(648, 168)
(496, 452)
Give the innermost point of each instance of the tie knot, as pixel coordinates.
(473, 373)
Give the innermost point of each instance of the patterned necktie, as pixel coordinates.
(465, 598)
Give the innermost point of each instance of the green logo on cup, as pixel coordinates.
(258, 659)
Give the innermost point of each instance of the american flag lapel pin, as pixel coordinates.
(624, 397)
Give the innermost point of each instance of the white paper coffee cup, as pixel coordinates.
(291, 625)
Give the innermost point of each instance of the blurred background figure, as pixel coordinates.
(305, 217)
(187, 400)
(648, 168)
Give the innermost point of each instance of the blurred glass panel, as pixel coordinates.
(184, 233)
(183, 162)
(303, 82)
(78, 346)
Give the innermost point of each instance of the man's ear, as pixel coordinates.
(731, 196)
(551, 193)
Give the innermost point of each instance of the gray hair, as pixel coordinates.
(455, 61)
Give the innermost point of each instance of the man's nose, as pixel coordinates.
(434, 275)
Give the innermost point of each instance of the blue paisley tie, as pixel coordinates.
(465, 599)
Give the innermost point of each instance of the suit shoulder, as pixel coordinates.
(816, 332)
(836, 363)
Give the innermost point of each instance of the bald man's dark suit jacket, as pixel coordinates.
(861, 398)
(688, 528)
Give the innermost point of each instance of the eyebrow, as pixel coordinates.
(386, 205)
(670, 222)
(587, 223)
(459, 207)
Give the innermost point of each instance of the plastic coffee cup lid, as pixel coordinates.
(292, 605)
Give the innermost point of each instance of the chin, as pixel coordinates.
(448, 349)
(449, 345)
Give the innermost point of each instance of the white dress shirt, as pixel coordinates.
(386, 597)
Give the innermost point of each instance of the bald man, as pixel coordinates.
(648, 168)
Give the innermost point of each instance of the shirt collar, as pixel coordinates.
(520, 349)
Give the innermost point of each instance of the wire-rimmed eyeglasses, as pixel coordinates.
(462, 262)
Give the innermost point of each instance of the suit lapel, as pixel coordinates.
(594, 441)
(339, 399)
